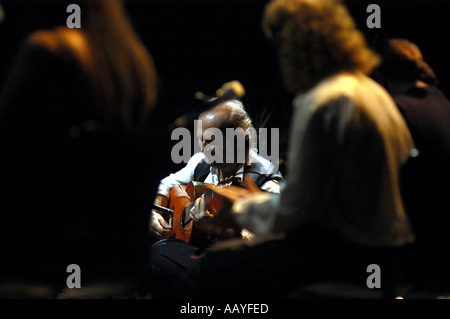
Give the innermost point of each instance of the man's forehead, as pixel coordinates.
(213, 118)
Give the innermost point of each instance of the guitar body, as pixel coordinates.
(178, 201)
(181, 200)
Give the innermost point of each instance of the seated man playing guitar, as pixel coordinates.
(173, 252)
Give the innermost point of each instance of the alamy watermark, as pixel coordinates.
(374, 19)
(74, 19)
(231, 148)
(74, 279)
(182, 151)
(374, 279)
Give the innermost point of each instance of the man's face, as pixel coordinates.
(212, 138)
(222, 146)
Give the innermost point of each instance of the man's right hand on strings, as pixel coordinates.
(159, 227)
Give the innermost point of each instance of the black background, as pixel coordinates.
(200, 44)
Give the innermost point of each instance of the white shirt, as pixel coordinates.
(186, 175)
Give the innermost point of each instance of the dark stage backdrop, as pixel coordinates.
(200, 44)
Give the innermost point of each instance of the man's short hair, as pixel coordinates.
(236, 117)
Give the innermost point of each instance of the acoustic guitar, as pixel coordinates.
(181, 200)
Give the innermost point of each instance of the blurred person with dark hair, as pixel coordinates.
(340, 209)
(104, 61)
(74, 112)
(414, 87)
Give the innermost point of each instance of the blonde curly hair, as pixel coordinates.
(314, 39)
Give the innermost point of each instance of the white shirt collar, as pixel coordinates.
(215, 174)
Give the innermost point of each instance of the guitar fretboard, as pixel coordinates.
(185, 216)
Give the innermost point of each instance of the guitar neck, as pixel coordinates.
(186, 217)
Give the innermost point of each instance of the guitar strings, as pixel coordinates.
(179, 218)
